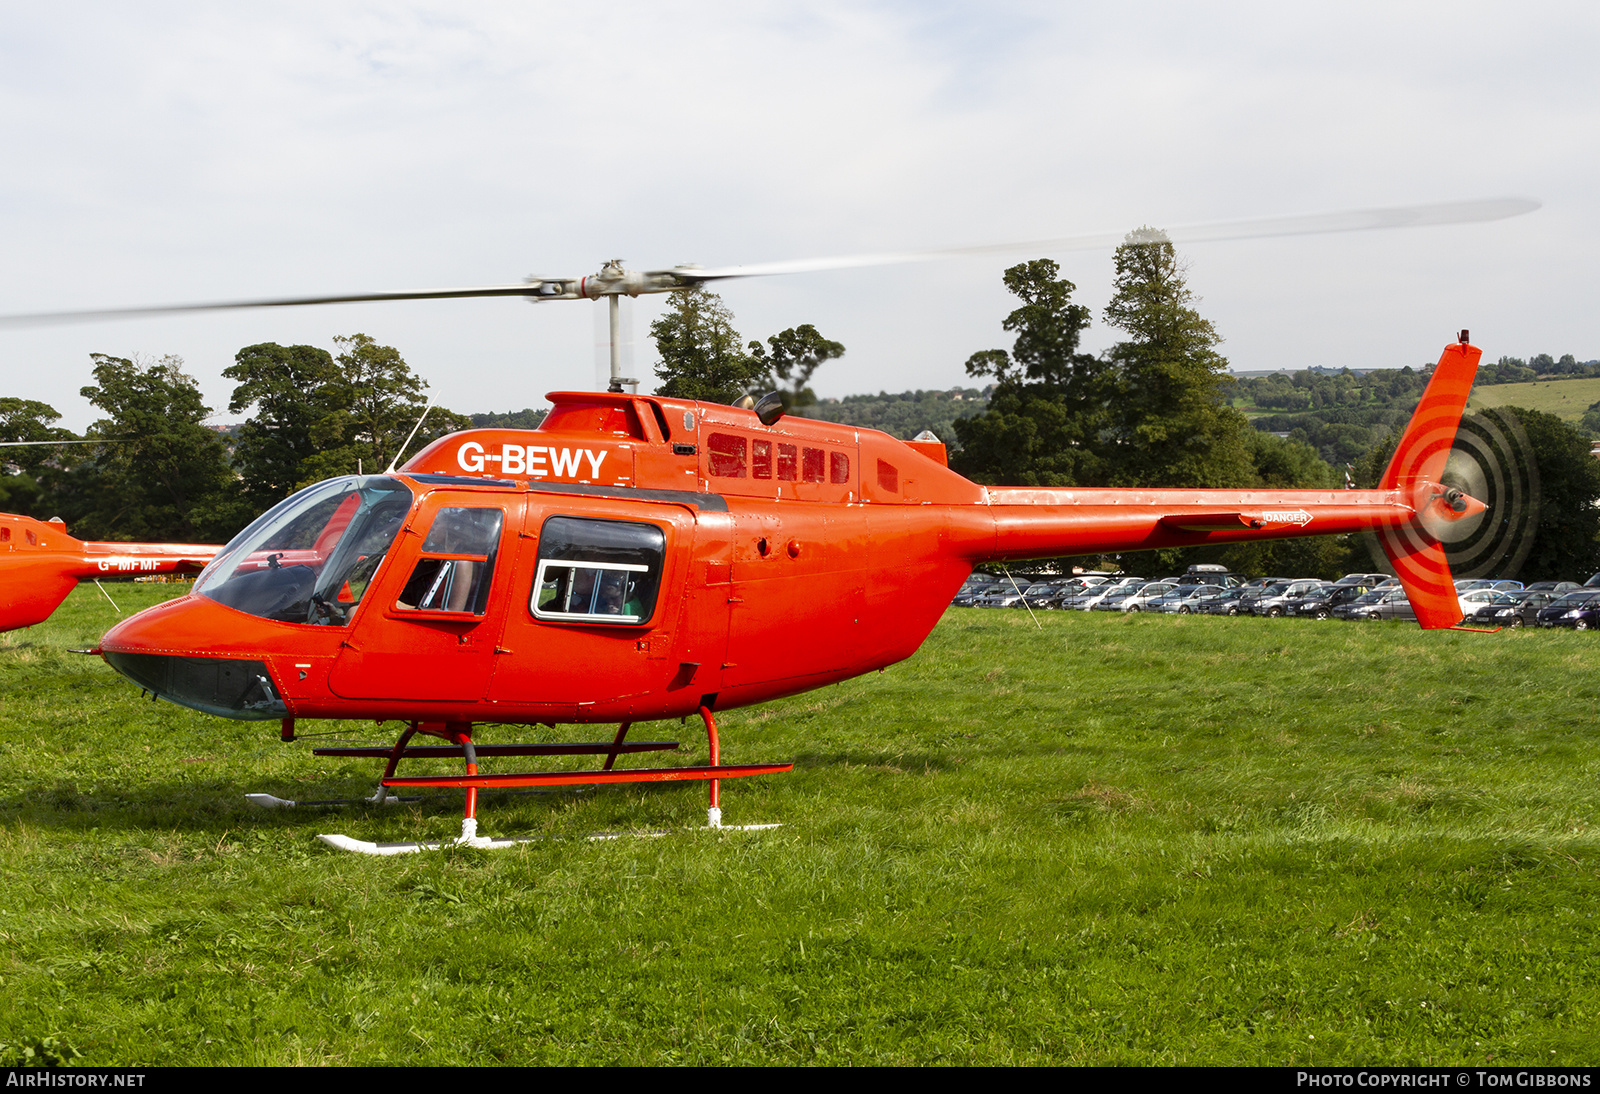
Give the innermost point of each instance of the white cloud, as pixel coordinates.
(185, 152)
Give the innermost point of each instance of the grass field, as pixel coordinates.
(1566, 399)
(1109, 840)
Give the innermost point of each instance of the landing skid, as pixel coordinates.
(488, 843)
(459, 736)
(268, 801)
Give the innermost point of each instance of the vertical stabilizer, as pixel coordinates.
(1415, 470)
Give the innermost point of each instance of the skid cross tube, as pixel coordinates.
(435, 752)
(472, 780)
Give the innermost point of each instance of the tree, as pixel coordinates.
(702, 355)
(363, 413)
(795, 354)
(27, 470)
(1591, 420)
(1169, 423)
(526, 418)
(293, 391)
(1046, 411)
(167, 477)
(1285, 464)
(1566, 541)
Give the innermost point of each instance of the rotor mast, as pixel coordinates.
(612, 282)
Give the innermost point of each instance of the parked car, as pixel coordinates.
(1092, 598)
(967, 596)
(1277, 600)
(1579, 609)
(1224, 603)
(1183, 599)
(1321, 603)
(1474, 599)
(1349, 608)
(1133, 598)
(1040, 594)
(1070, 589)
(1515, 609)
(1210, 573)
(1392, 603)
(1557, 609)
(1554, 588)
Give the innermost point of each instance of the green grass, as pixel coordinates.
(1566, 399)
(1112, 840)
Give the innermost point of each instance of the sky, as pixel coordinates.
(173, 152)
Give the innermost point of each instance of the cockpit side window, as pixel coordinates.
(457, 563)
(598, 571)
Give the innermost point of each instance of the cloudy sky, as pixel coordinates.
(165, 152)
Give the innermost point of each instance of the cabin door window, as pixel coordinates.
(457, 563)
(598, 571)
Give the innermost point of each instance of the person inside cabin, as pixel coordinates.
(580, 598)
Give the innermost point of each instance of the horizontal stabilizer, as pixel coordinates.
(1235, 520)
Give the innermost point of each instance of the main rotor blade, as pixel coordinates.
(1403, 216)
(46, 318)
(1353, 220)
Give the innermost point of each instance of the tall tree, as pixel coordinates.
(1046, 412)
(1170, 423)
(293, 392)
(167, 475)
(795, 354)
(1566, 540)
(365, 410)
(27, 470)
(702, 355)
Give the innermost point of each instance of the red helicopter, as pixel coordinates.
(639, 558)
(40, 564)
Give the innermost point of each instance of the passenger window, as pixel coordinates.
(838, 468)
(456, 567)
(761, 459)
(726, 453)
(812, 468)
(788, 465)
(5, 535)
(888, 477)
(598, 571)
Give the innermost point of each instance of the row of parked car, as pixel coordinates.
(1212, 590)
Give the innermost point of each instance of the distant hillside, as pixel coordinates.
(903, 415)
(1342, 414)
(1566, 399)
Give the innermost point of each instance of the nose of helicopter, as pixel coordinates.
(194, 652)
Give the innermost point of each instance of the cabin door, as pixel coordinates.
(429, 630)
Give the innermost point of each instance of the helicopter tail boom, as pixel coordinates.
(1407, 510)
(40, 564)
